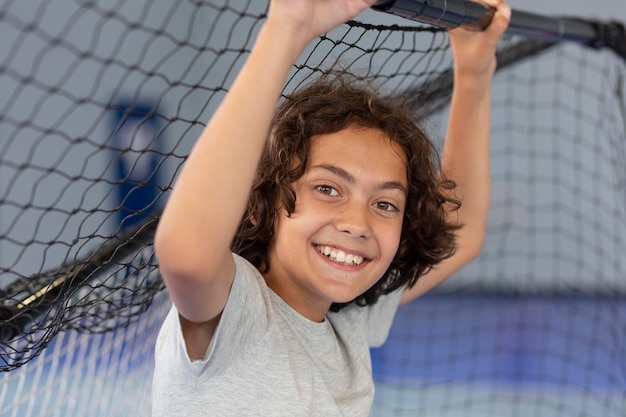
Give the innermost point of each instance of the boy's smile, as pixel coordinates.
(339, 256)
(345, 229)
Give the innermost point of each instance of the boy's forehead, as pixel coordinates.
(374, 139)
(362, 150)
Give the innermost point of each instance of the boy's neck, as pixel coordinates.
(314, 310)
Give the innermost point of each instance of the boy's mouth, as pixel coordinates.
(340, 256)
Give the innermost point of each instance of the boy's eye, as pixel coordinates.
(327, 189)
(383, 205)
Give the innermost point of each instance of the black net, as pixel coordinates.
(102, 101)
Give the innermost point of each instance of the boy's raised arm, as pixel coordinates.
(193, 239)
(466, 149)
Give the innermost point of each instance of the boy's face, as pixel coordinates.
(345, 229)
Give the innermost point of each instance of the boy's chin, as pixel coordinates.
(345, 298)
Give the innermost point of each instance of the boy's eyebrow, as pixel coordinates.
(389, 185)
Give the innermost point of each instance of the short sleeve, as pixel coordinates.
(380, 317)
(244, 321)
(374, 320)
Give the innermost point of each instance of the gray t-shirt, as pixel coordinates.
(265, 359)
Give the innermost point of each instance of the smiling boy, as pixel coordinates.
(286, 255)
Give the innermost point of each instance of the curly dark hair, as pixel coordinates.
(329, 105)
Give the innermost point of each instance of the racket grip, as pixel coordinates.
(447, 14)
(473, 15)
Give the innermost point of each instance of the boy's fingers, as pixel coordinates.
(501, 19)
(492, 3)
(505, 10)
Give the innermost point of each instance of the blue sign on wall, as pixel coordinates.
(137, 158)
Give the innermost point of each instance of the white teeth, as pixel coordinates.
(340, 256)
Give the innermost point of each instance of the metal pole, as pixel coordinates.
(469, 14)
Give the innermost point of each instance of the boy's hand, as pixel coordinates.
(311, 18)
(474, 52)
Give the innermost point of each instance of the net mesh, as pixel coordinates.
(102, 102)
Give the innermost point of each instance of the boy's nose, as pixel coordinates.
(354, 219)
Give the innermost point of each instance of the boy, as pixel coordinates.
(343, 210)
